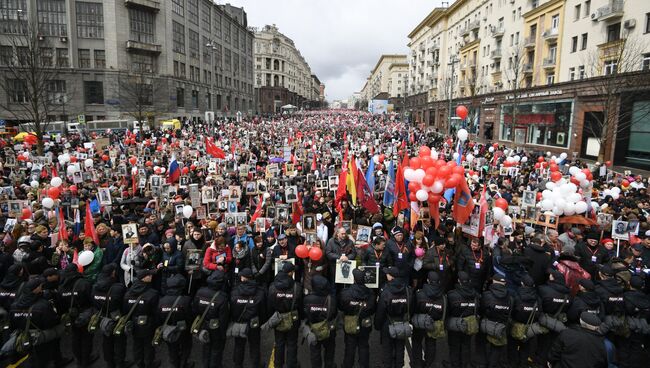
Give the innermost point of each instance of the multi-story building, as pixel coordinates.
(386, 80)
(282, 75)
(529, 72)
(194, 55)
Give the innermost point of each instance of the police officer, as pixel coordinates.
(107, 295)
(319, 306)
(75, 301)
(247, 305)
(395, 305)
(637, 308)
(586, 300)
(463, 302)
(214, 298)
(144, 301)
(285, 298)
(525, 311)
(174, 309)
(556, 301)
(357, 303)
(429, 300)
(496, 306)
(610, 292)
(10, 288)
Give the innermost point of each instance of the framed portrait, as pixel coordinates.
(270, 212)
(9, 225)
(604, 220)
(311, 178)
(311, 238)
(241, 218)
(531, 214)
(289, 169)
(130, 233)
(309, 223)
(184, 181)
(347, 225)
(10, 161)
(251, 188)
(155, 181)
(275, 183)
(207, 194)
(344, 270)
(560, 138)
(363, 234)
(633, 227)
(104, 196)
(321, 185)
(194, 259)
(260, 224)
(503, 171)
(262, 186)
(541, 219)
(333, 182)
(529, 198)
(619, 230)
(142, 182)
(232, 206)
(15, 208)
(282, 214)
(222, 206)
(74, 202)
(178, 210)
(291, 194)
(201, 212)
(231, 219)
(425, 213)
(279, 263)
(235, 191)
(370, 276)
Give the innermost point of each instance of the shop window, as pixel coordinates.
(645, 65)
(545, 124)
(639, 149)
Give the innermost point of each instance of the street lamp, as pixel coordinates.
(452, 63)
(211, 45)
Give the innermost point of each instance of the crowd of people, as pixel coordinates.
(288, 227)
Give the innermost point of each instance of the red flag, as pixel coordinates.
(214, 151)
(89, 225)
(258, 210)
(133, 186)
(63, 232)
(463, 202)
(314, 166)
(75, 260)
(401, 202)
(54, 172)
(341, 193)
(484, 208)
(434, 212)
(297, 210)
(364, 196)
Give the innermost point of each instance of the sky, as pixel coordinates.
(341, 39)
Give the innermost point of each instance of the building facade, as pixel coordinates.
(193, 55)
(282, 75)
(537, 73)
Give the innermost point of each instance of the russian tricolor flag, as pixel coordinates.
(174, 171)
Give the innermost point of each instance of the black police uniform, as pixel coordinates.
(395, 304)
(526, 310)
(611, 293)
(631, 351)
(107, 295)
(585, 301)
(142, 318)
(496, 306)
(319, 306)
(556, 301)
(247, 306)
(477, 264)
(463, 302)
(429, 300)
(75, 295)
(579, 347)
(285, 296)
(215, 298)
(176, 309)
(358, 301)
(10, 288)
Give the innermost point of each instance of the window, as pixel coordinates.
(94, 92)
(227, 59)
(51, 17)
(90, 20)
(552, 52)
(581, 72)
(550, 79)
(205, 17)
(183, 70)
(176, 68)
(193, 11)
(18, 91)
(56, 91)
(62, 58)
(47, 56)
(577, 12)
(178, 34)
(611, 67)
(144, 63)
(84, 58)
(180, 97)
(178, 7)
(145, 94)
(100, 59)
(555, 21)
(217, 26)
(645, 63)
(206, 51)
(587, 8)
(22, 53)
(235, 39)
(583, 44)
(141, 25)
(574, 43)
(614, 32)
(226, 31)
(11, 20)
(6, 55)
(572, 73)
(191, 72)
(647, 22)
(194, 44)
(195, 99)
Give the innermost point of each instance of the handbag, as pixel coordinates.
(283, 322)
(170, 332)
(438, 330)
(198, 322)
(68, 318)
(555, 322)
(96, 318)
(238, 329)
(322, 329)
(518, 330)
(351, 325)
(470, 325)
(24, 340)
(120, 325)
(401, 330)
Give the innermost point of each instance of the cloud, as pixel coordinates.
(341, 39)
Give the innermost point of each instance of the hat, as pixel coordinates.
(607, 270)
(216, 277)
(433, 277)
(377, 225)
(498, 278)
(590, 320)
(327, 215)
(109, 268)
(51, 272)
(637, 282)
(359, 276)
(34, 283)
(176, 282)
(288, 267)
(148, 210)
(606, 240)
(282, 236)
(396, 230)
(392, 270)
(463, 278)
(528, 281)
(247, 273)
(576, 231)
(141, 274)
(638, 247)
(593, 236)
(529, 230)
(587, 284)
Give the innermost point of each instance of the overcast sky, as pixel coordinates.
(341, 39)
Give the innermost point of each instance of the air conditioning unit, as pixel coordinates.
(630, 23)
(595, 15)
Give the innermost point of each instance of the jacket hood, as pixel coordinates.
(283, 281)
(104, 282)
(612, 286)
(466, 291)
(527, 293)
(139, 287)
(359, 291)
(432, 290)
(397, 286)
(248, 287)
(500, 291)
(26, 299)
(320, 286)
(12, 280)
(589, 297)
(70, 276)
(559, 286)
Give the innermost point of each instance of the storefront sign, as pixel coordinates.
(555, 92)
(487, 100)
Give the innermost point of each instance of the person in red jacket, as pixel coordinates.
(569, 267)
(218, 256)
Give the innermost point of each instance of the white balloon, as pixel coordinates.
(162, 170)
(581, 207)
(574, 197)
(616, 190)
(603, 206)
(510, 160)
(546, 194)
(524, 159)
(584, 183)
(469, 157)
(573, 170)
(547, 204)
(187, 211)
(462, 135)
(86, 257)
(505, 151)
(34, 184)
(409, 174)
(47, 202)
(607, 192)
(26, 154)
(422, 195)
(550, 185)
(419, 175)
(580, 176)
(595, 205)
(56, 182)
(506, 221)
(557, 211)
(491, 149)
(88, 163)
(548, 153)
(558, 160)
(553, 158)
(455, 155)
(517, 158)
(66, 157)
(570, 209)
(563, 155)
(615, 196)
(498, 213)
(434, 154)
(437, 187)
(267, 195)
(559, 203)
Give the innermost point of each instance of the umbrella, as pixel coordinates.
(577, 220)
(276, 160)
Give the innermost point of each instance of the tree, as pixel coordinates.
(616, 81)
(515, 73)
(32, 81)
(137, 95)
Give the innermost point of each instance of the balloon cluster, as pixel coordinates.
(499, 212)
(314, 253)
(562, 198)
(615, 192)
(429, 176)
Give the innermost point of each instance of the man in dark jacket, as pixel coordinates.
(610, 292)
(285, 298)
(476, 261)
(357, 302)
(216, 318)
(589, 255)
(377, 255)
(75, 301)
(247, 305)
(439, 259)
(174, 309)
(556, 301)
(144, 301)
(172, 263)
(580, 347)
(395, 304)
(463, 302)
(586, 300)
(107, 295)
(319, 306)
(541, 261)
(114, 248)
(340, 247)
(637, 308)
(429, 300)
(526, 309)
(401, 253)
(496, 306)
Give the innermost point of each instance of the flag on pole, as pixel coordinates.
(389, 198)
(89, 225)
(463, 202)
(174, 171)
(366, 199)
(370, 176)
(297, 210)
(63, 232)
(401, 200)
(258, 209)
(351, 180)
(212, 149)
(415, 214)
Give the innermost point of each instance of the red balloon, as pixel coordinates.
(426, 162)
(537, 165)
(453, 181)
(444, 172)
(425, 151)
(164, 140)
(554, 167)
(414, 163)
(451, 163)
(556, 176)
(428, 180)
(625, 183)
(413, 186)
(147, 142)
(105, 158)
(315, 253)
(73, 188)
(159, 148)
(458, 170)
(73, 159)
(501, 203)
(608, 163)
(461, 112)
(157, 171)
(192, 167)
(149, 163)
(133, 160)
(27, 214)
(574, 180)
(439, 163)
(431, 171)
(540, 159)
(413, 197)
(185, 170)
(382, 157)
(21, 158)
(53, 192)
(302, 251)
(539, 196)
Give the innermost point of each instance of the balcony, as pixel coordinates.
(530, 41)
(498, 32)
(474, 25)
(551, 34)
(152, 5)
(611, 11)
(527, 68)
(471, 64)
(143, 46)
(611, 49)
(433, 49)
(421, 47)
(496, 54)
(548, 63)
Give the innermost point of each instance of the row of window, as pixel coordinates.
(46, 57)
(180, 71)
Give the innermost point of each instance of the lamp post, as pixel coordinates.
(452, 63)
(211, 45)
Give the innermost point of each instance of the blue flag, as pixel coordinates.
(389, 196)
(370, 176)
